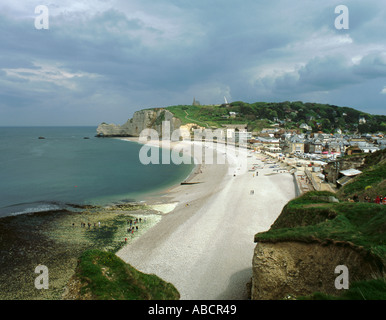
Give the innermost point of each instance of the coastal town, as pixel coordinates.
(309, 156)
(313, 155)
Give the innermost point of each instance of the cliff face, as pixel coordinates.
(141, 120)
(295, 268)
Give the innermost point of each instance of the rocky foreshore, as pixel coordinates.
(56, 239)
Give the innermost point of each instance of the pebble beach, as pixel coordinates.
(205, 245)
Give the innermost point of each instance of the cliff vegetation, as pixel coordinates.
(101, 275)
(320, 117)
(314, 234)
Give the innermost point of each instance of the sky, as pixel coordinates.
(101, 60)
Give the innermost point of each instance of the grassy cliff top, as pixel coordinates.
(315, 216)
(312, 217)
(104, 276)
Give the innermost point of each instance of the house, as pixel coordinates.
(381, 144)
(231, 129)
(305, 126)
(295, 144)
(313, 146)
(269, 130)
(353, 150)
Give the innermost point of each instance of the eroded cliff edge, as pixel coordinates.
(297, 257)
(143, 119)
(293, 269)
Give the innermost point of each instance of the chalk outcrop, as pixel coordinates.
(143, 119)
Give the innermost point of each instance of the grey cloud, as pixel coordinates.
(372, 66)
(123, 59)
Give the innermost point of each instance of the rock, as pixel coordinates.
(332, 199)
(299, 269)
(143, 119)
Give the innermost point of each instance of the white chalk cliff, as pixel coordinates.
(143, 119)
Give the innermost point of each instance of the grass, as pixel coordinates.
(362, 224)
(371, 181)
(186, 113)
(104, 276)
(362, 290)
(205, 116)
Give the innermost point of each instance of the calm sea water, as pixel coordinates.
(65, 169)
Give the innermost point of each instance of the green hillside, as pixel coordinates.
(315, 217)
(371, 182)
(290, 115)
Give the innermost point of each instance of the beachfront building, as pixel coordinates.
(313, 146)
(265, 143)
(293, 145)
(236, 132)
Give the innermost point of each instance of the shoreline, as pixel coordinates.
(154, 197)
(53, 206)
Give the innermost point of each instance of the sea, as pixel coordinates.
(57, 168)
